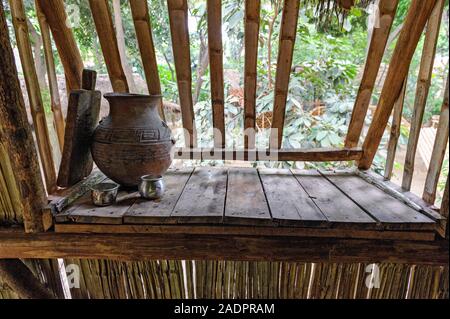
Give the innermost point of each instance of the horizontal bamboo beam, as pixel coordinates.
(414, 25)
(375, 55)
(69, 53)
(310, 155)
(15, 244)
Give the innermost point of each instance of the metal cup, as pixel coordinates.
(104, 194)
(151, 187)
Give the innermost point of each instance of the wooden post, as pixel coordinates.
(438, 155)
(69, 53)
(34, 93)
(141, 18)
(58, 117)
(252, 20)
(216, 69)
(395, 132)
(445, 209)
(423, 87)
(16, 137)
(20, 279)
(416, 19)
(178, 16)
(375, 55)
(108, 41)
(286, 50)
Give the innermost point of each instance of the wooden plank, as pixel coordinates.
(337, 207)
(246, 231)
(34, 93)
(108, 41)
(311, 155)
(395, 133)
(252, 19)
(438, 155)
(289, 203)
(142, 25)
(406, 44)
(82, 118)
(16, 244)
(285, 52)
(384, 208)
(69, 53)
(18, 156)
(58, 118)
(203, 198)
(216, 70)
(86, 212)
(423, 87)
(178, 17)
(149, 212)
(246, 202)
(377, 47)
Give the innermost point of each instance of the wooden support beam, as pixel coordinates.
(16, 138)
(416, 19)
(142, 25)
(423, 87)
(69, 53)
(101, 14)
(288, 34)
(178, 16)
(58, 118)
(34, 93)
(445, 209)
(252, 21)
(20, 279)
(310, 155)
(220, 247)
(375, 55)
(395, 132)
(216, 69)
(438, 155)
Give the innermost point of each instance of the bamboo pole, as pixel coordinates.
(395, 132)
(252, 20)
(108, 41)
(142, 25)
(216, 69)
(178, 16)
(69, 53)
(285, 53)
(375, 55)
(58, 118)
(416, 19)
(423, 87)
(438, 155)
(34, 93)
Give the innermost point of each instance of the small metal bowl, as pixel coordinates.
(104, 194)
(151, 187)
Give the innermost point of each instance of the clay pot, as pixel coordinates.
(132, 141)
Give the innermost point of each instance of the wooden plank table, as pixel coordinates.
(249, 201)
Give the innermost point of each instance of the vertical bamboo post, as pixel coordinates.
(252, 21)
(69, 53)
(375, 55)
(34, 93)
(288, 34)
(108, 41)
(423, 87)
(52, 79)
(438, 154)
(16, 137)
(416, 19)
(141, 19)
(216, 69)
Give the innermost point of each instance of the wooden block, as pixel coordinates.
(82, 118)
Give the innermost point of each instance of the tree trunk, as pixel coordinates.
(203, 60)
(122, 47)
